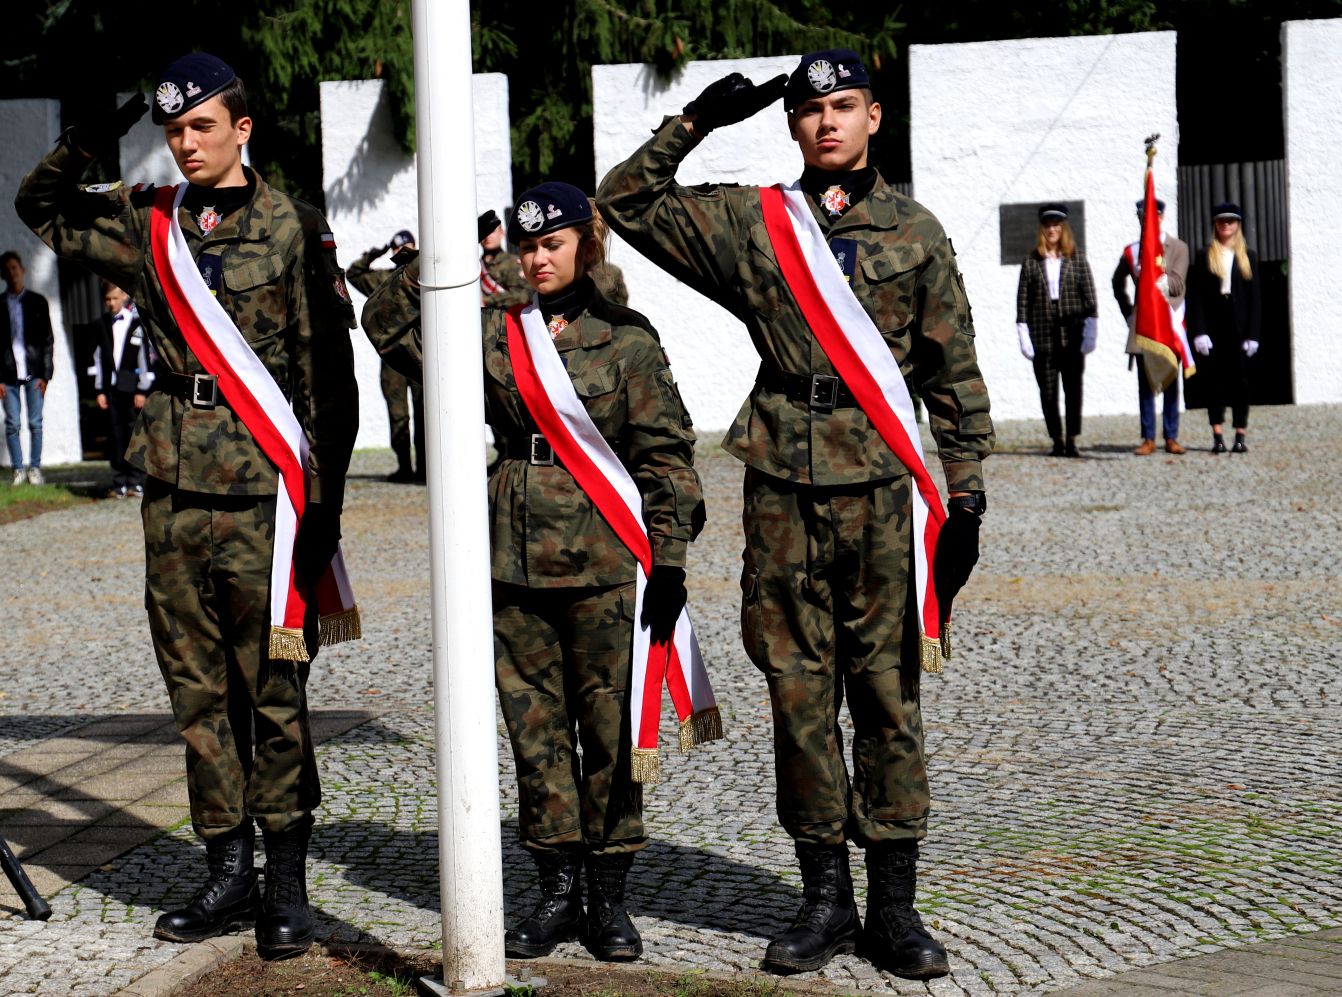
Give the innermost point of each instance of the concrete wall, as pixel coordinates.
(30, 128)
(371, 193)
(1005, 122)
(712, 356)
(1311, 85)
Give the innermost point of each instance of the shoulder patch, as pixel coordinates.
(100, 188)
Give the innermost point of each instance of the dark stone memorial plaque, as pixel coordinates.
(1019, 225)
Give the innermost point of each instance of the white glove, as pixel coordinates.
(1163, 283)
(1250, 347)
(1090, 332)
(1026, 347)
(1203, 344)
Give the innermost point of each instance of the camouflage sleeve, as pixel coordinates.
(693, 233)
(946, 370)
(660, 450)
(98, 228)
(391, 322)
(515, 289)
(326, 395)
(363, 277)
(1120, 285)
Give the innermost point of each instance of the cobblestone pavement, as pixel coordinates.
(1133, 750)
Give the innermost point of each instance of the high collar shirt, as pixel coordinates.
(15, 302)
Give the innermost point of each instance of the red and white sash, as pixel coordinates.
(487, 283)
(859, 353)
(561, 417)
(251, 392)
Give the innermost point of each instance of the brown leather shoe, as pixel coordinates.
(1174, 446)
(1147, 448)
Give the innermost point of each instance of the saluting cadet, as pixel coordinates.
(848, 290)
(240, 289)
(501, 282)
(567, 609)
(394, 384)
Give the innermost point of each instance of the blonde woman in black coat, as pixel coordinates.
(1224, 322)
(1056, 320)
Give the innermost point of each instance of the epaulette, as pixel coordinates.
(100, 188)
(623, 316)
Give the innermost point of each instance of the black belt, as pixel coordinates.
(822, 392)
(197, 390)
(533, 449)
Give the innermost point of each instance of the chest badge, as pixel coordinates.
(557, 325)
(208, 220)
(835, 200)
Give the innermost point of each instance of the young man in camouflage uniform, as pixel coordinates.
(210, 499)
(501, 282)
(394, 385)
(826, 580)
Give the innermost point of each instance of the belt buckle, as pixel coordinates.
(824, 392)
(542, 454)
(204, 391)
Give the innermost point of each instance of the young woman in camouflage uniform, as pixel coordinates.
(563, 581)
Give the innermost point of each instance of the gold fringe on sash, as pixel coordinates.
(342, 626)
(706, 725)
(287, 644)
(644, 766)
(929, 654)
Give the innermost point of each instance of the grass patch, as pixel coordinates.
(25, 501)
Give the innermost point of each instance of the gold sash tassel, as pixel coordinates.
(706, 725)
(644, 766)
(288, 644)
(342, 626)
(929, 654)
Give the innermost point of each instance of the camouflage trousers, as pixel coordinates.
(824, 600)
(244, 717)
(394, 387)
(562, 666)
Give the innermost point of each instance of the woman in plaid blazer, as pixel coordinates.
(1056, 319)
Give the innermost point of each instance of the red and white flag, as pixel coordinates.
(251, 392)
(859, 353)
(1162, 339)
(550, 398)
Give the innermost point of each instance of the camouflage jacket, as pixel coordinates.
(281, 285)
(712, 237)
(609, 280)
(363, 277)
(544, 530)
(506, 271)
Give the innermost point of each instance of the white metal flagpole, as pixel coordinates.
(469, 860)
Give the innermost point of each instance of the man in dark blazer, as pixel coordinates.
(26, 345)
(122, 376)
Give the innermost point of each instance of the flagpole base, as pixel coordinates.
(434, 986)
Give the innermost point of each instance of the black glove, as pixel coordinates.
(318, 538)
(403, 256)
(957, 553)
(377, 251)
(731, 99)
(663, 599)
(98, 135)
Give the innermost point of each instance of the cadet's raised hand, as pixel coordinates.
(663, 599)
(731, 99)
(98, 135)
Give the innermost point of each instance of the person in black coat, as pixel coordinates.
(26, 365)
(1224, 322)
(1056, 319)
(122, 376)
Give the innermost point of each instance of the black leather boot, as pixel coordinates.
(611, 935)
(286, 926)
(228, 899)
(827, 923)
(895, 939)
(558, 917)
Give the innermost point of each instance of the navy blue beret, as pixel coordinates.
(1227, 209)
(401, 238)
(550, 206)
(486, 224)
(1051, 212)
(1160, 206)
(824, 72)
(191, 80)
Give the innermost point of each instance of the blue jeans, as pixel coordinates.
(1146, 404)
(33, 397)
